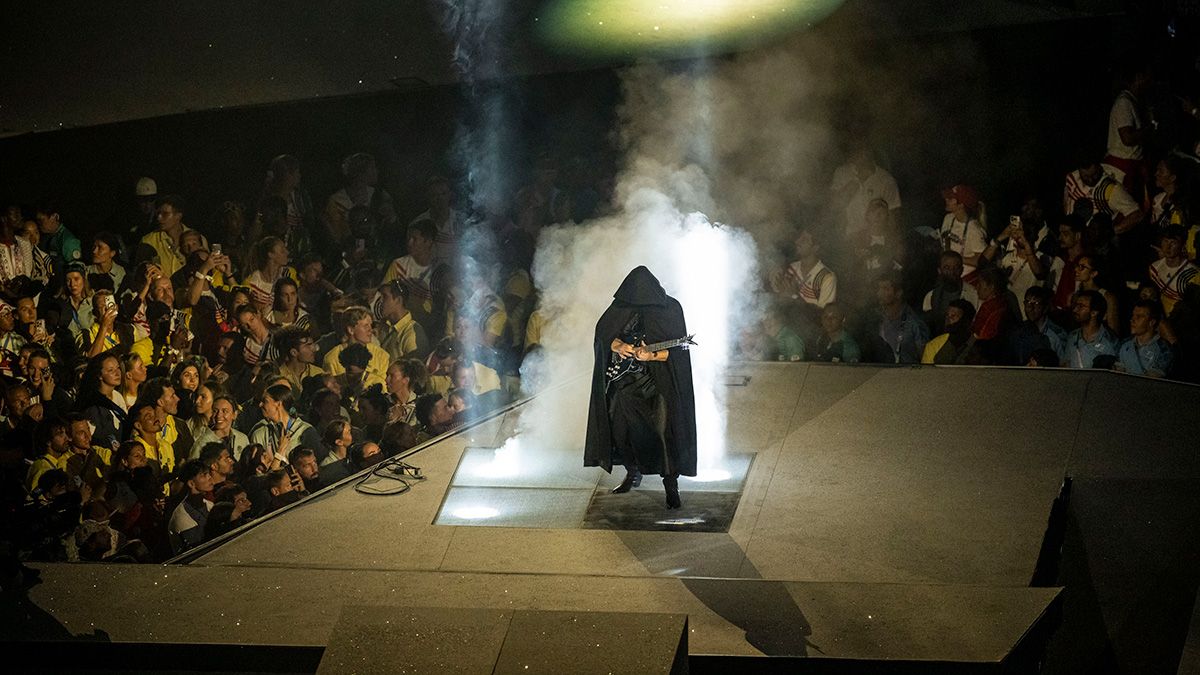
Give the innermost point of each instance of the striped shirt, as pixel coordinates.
(1106, 196)
(1172, 281)
(817, 287)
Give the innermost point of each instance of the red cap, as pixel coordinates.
(964, 194)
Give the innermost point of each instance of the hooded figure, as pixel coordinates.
(644, 420)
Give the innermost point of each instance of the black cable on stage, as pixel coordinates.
(395, 469)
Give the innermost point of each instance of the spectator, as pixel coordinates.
(220, 520)
(900, 335)
(75, 301)
(146, 426)
(1172, 272)
(269, 263)
(835, 345)
(949, 287)
(280, 430)
(961, 230)
(11, 341)
(957, 345)
(856, 183)
(879, 248)
(224, 412)
(316, 292)
(406, 379)
(1092, 340)
(105, 247)
(231, 509)
(1038, 331)
(286, 310)
(783, 342)
(1023, 257)
(283, 182)
(186, 527)
(158, 390)
(216, 457)
(992, 318)
(1089, 192)
(258, 345)
(1173, 173)
(336, 440)
(415, 270)
(162, 246)
(355, 326)
(373, 408)
(1144, 352)
(807, 278)
(1063, 270)
(434, 415)
(362, 177)
(357, 375)
(297, 350)
(57, 241)
(400, 335)
(304, 462)
(285, 488)
(1126, 132)
(1088, 277)
(53, 447)
(199, 424)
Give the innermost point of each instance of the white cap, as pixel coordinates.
(146, 187)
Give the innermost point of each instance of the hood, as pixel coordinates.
(641, 288)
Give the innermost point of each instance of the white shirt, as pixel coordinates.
(966, 239)
(1123, 114)
(816, 287)
(879, 185)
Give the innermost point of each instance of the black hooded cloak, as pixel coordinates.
(615, 416)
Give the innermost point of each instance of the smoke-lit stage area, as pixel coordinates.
(912, 518)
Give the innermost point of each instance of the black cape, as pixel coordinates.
(662, 319)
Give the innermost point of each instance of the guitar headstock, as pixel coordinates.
(688, 340)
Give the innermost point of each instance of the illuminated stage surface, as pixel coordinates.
(885, 513)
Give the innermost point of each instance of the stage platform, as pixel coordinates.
(873, 513)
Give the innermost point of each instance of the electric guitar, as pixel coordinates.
(629, 364)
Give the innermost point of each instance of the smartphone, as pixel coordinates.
(1014, 220)
(216, 249)
(360, 244)
(110, 302)
(41, 326)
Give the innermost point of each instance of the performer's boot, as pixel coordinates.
(633, 478)
(671, 485)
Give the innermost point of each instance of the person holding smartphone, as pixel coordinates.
(280, 430)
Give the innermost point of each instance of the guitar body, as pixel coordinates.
(622, 366)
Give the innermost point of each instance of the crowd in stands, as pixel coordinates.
(163, 385)
(1105, 278)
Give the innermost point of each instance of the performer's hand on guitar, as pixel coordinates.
(622, 349)
(643, 354)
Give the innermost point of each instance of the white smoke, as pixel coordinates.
(662, 195)
(749, 142)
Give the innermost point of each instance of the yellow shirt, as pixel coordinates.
(43, 464)
(401, 339)
(143, 347)
(170, 259)
(534, 328)
(297, 379)
(379, 359)
(932, 347)
(164, 455)
(494, 323)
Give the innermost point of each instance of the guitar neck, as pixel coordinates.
(666, 344)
